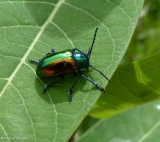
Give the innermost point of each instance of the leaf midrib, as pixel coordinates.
(42, 28)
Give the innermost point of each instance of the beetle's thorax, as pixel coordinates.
(81, 60)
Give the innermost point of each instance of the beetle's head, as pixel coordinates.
(82, 60)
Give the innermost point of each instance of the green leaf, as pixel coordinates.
(140, 124)
(144, 42)
(28, 30)
(135, 84)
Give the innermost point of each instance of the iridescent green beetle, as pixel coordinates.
(57, 64)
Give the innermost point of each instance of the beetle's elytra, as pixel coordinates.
(57, 64)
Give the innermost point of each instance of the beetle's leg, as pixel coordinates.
(71, 90)
(34, 61)
(52, 52)
(50, 84)
(100, 72)
(93, 82)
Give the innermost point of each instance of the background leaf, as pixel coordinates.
(28, 30)
(144, 42)
(134, 125)
(136, 83)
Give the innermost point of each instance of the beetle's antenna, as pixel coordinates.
(90, 49)
(100, 72)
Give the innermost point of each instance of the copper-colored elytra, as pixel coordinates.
(48, 71)
(66, 65)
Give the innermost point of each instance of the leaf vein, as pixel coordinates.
(54, 108)
(9, 56)
(63, 33)
(144, 137)
(22, 61)
(35, 2)
(26, 110)
(123, 11)
(107, 29)
(4, 132)
(19, 26)
(50, 18)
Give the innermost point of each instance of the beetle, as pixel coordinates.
(57, 64)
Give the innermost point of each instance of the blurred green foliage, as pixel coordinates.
(145, 40)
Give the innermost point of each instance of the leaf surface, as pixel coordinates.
(135, 83)
(140, 124)
(29, 30)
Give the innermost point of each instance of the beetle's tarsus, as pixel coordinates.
(45, 89)
(93, 82)
(99, 87)
(34, 61)
(53, 51)
(70, 96)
